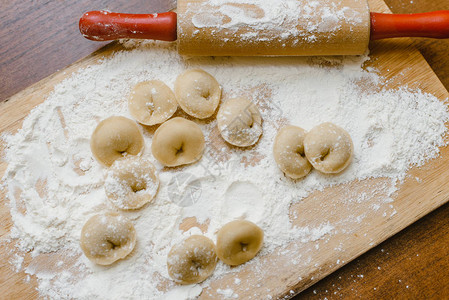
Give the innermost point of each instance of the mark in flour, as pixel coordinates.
(184, 189)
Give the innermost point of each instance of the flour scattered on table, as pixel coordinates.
(54, 184)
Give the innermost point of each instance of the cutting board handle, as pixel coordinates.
(431, 25)
(106, 26)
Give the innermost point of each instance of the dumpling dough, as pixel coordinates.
(178, 142)
(239, 122)
(192, 260)
(198, 93)
(238, 242)
(328, 148)
(114, 138)
(108, 237)
(131, 182)
(288, 151)
(152, 102)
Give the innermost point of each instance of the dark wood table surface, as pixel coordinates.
(39, 37)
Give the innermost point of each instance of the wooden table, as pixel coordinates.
(39, 37)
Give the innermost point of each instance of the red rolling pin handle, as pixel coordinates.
(431, 25)
(105, 26)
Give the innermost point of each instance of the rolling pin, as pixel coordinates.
(266, 28)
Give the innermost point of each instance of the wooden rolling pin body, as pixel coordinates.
(289, 27)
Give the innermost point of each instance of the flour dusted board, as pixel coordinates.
(396, 61)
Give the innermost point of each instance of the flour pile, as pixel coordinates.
(54, 184)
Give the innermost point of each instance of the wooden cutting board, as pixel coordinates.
(397, 61)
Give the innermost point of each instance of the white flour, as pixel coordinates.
(54, 184)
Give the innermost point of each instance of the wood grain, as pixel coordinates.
(426, 274)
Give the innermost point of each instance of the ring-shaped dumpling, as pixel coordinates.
(106, 238)
(192, 260)
(238, 242)
(114, 138)
(131, 182)
(198, 93)
(178, 142)
(152, 102)
(328, 148)
(239, 122)
(288, 152)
